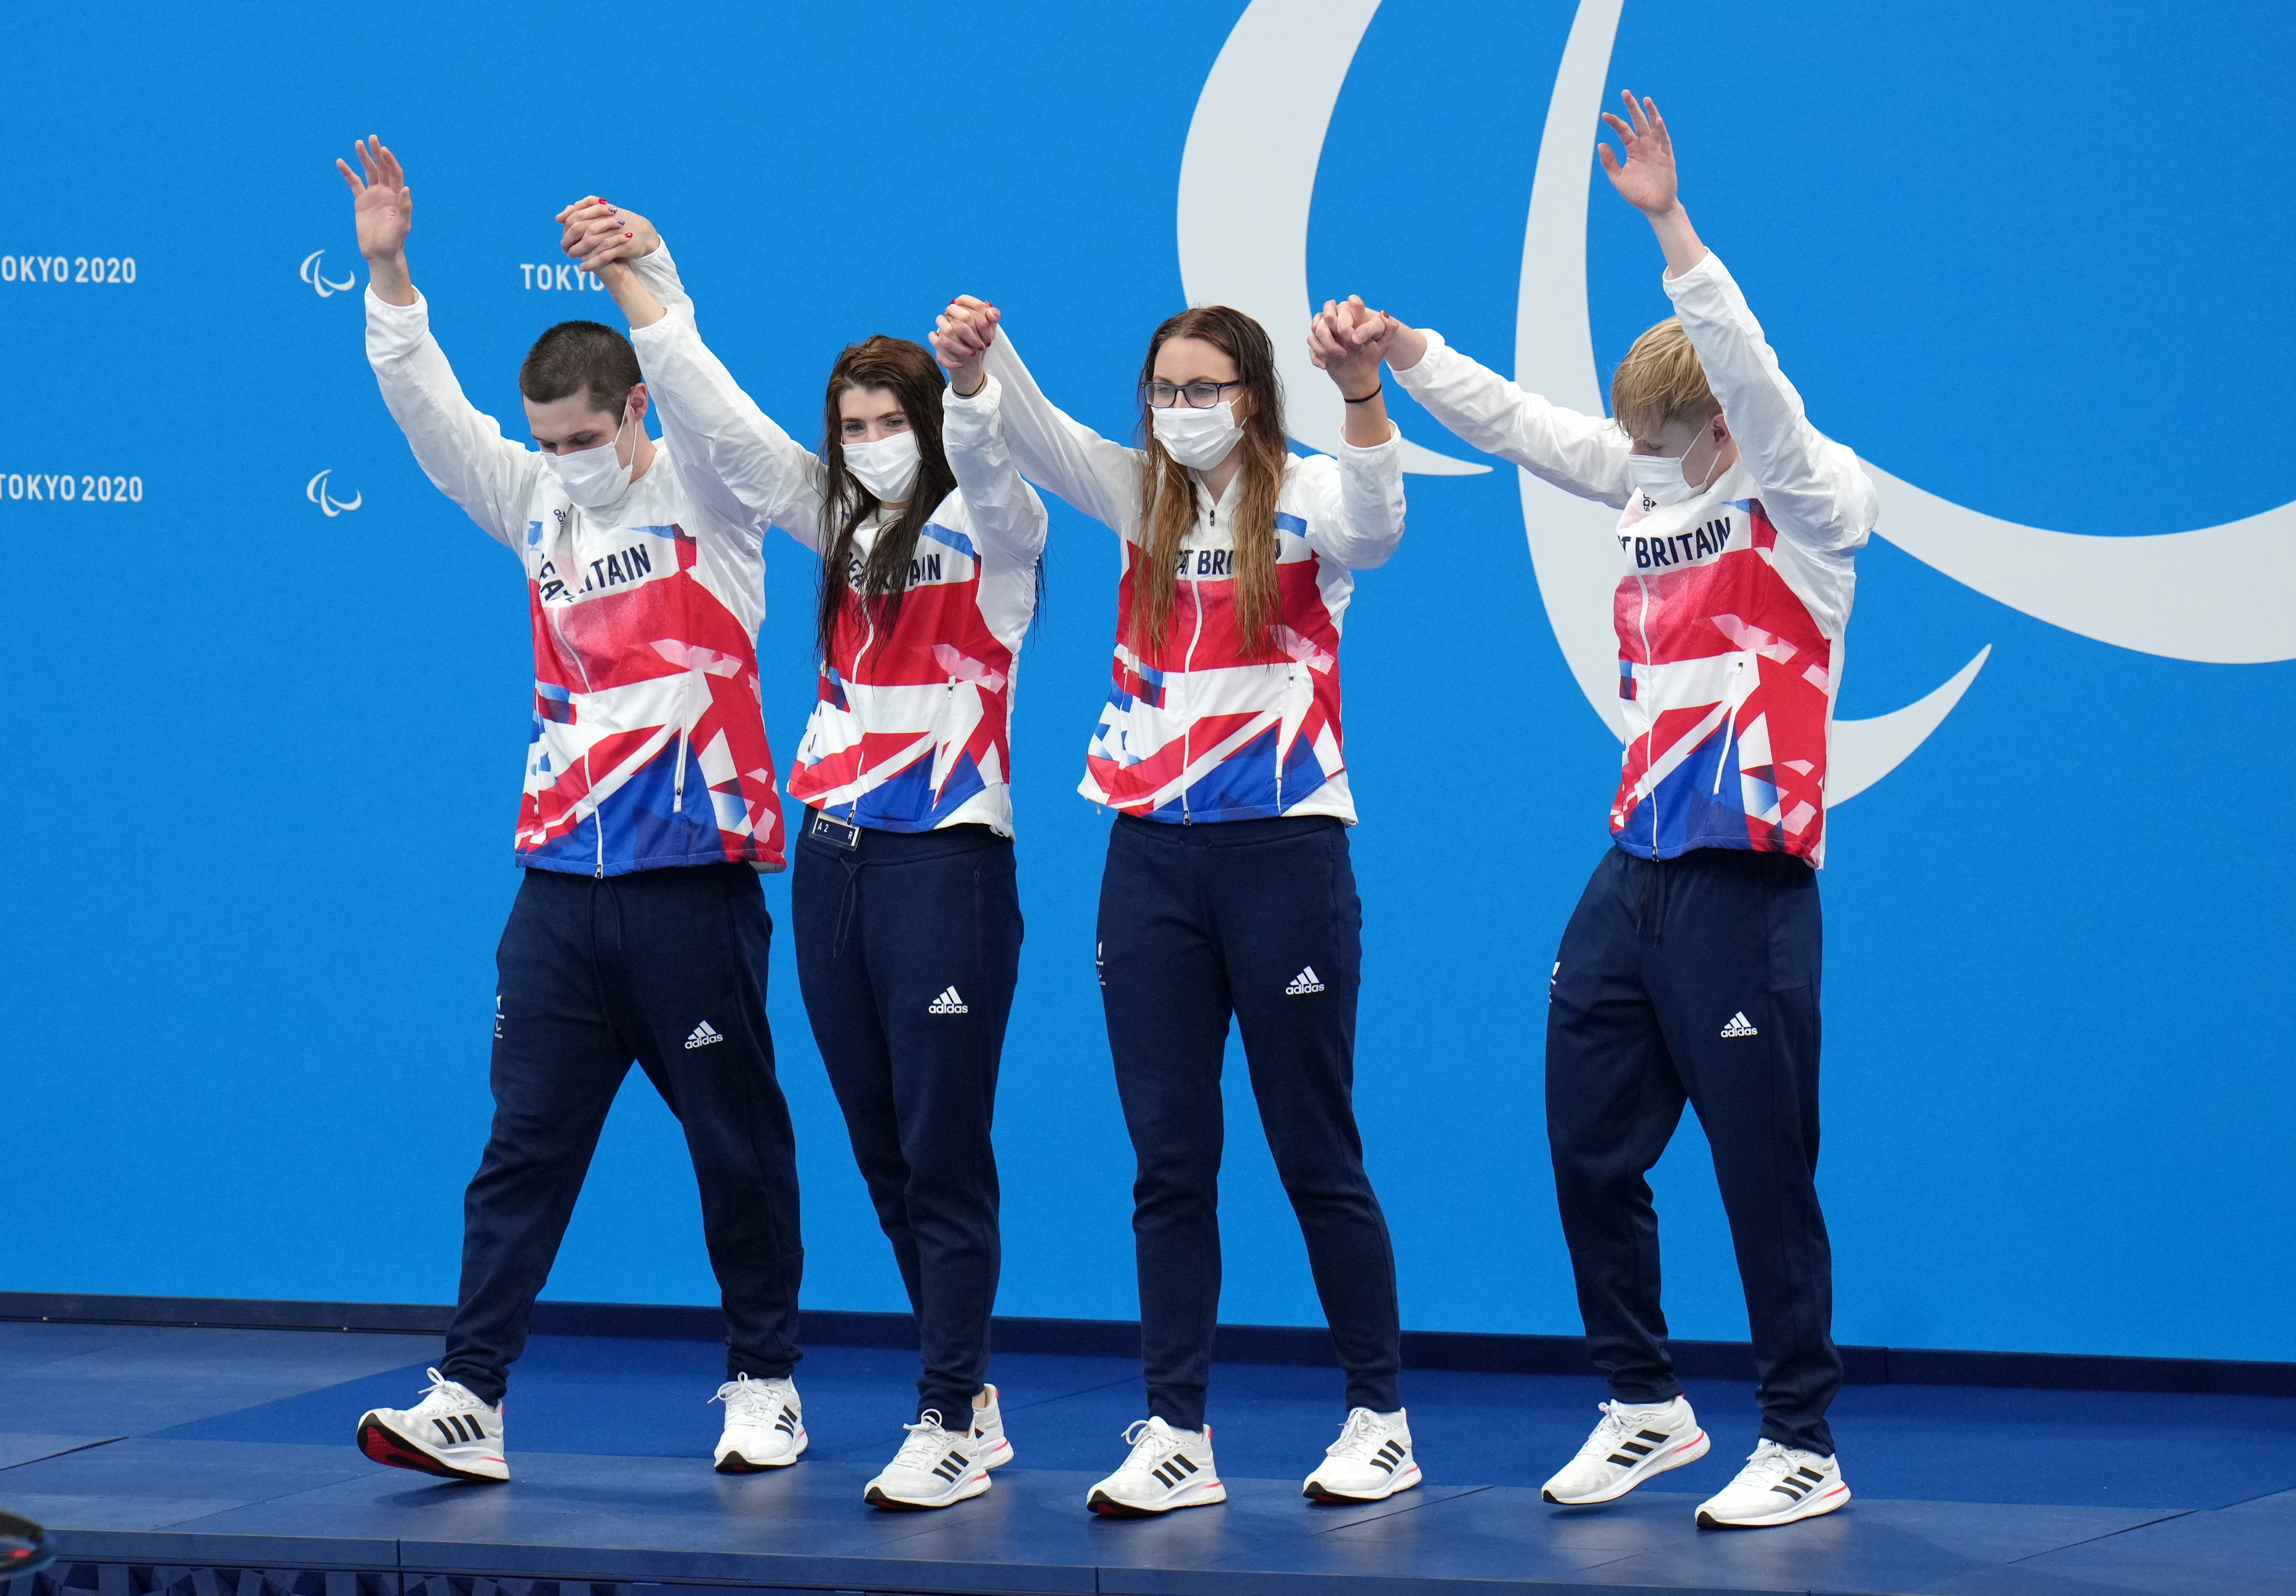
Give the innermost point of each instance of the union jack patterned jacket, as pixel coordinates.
(1731, 610)
(649, 745)
(1205, 728)
(912, 726)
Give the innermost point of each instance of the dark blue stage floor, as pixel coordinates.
(171, 1452)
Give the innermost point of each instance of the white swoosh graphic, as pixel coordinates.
(2219, 595)
(1573, 541)
(1248, 179)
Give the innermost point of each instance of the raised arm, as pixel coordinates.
(597, 233)
(1580, 454)
(1362, 521)
(461, 451)
(1007, 515)
(1811, 485)
(745, 466)
(1099, 477)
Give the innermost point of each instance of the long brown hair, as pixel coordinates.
(907, 371)
(1167, 496)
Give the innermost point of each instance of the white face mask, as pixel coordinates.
(594, 478)
(888, 467)
(1661, 478)
(1200, 439)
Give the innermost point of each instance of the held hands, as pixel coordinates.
(1349, 339)
(961, 337)
(598, 233)
(1647, 179)
(382, 205)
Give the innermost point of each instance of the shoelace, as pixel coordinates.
(747, 1399)
(1615, 1427)
(1364, 1434)
(927, 1441)
(460, 1399)
(1768, 1463)
(1149, 1446)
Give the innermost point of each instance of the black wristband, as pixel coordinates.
(1376, 390)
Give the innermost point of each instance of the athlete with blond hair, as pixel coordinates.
(1690, 969)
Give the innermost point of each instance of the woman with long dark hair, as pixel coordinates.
(1229, 891)
(907, 916)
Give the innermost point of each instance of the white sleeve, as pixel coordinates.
(1585, 455)
(1359, 496)
(659, 273)
(1098, 477)
(1813, 488)
(461, 451)
(1006, 514)
(732, 454)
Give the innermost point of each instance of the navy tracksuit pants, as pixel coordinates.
(908, 946)
(1258, 919)
(1695, 979)
(667, 967)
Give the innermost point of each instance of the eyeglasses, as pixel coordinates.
(1199, 396)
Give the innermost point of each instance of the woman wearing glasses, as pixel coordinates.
(1227, 889)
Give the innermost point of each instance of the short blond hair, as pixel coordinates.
(1661, 381)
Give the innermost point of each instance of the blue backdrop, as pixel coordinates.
(264, 758)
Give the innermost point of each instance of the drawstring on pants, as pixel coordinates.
(1650, 898)
(847, 902)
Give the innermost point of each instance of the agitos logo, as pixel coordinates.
(314, 273)
(316, 490)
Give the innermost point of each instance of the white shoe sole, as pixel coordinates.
(965, 1489)
(732, 1461)
(1657, 1462)
(383, 1443)
(1402, 1479)
(1195, 1494)
(1810, 1507)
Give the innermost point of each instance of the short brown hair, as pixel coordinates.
(577, 356)
(1661, 381)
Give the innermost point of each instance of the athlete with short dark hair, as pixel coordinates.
(639, 931)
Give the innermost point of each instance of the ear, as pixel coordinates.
(1720, 429)
(638, 404)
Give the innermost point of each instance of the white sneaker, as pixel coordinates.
(1167, 1469)
(1777, 1485)
(1626, 1448)
(1370, 1462)
(764, 1425)
(449, 1433)
(989, 1440)
(934, 1468)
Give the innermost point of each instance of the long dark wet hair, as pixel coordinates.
(907, 371)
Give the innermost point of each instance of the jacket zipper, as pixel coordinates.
(1649, 721)
(1188, 665)
(853, 683)
(684, 731)
(597, 814)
